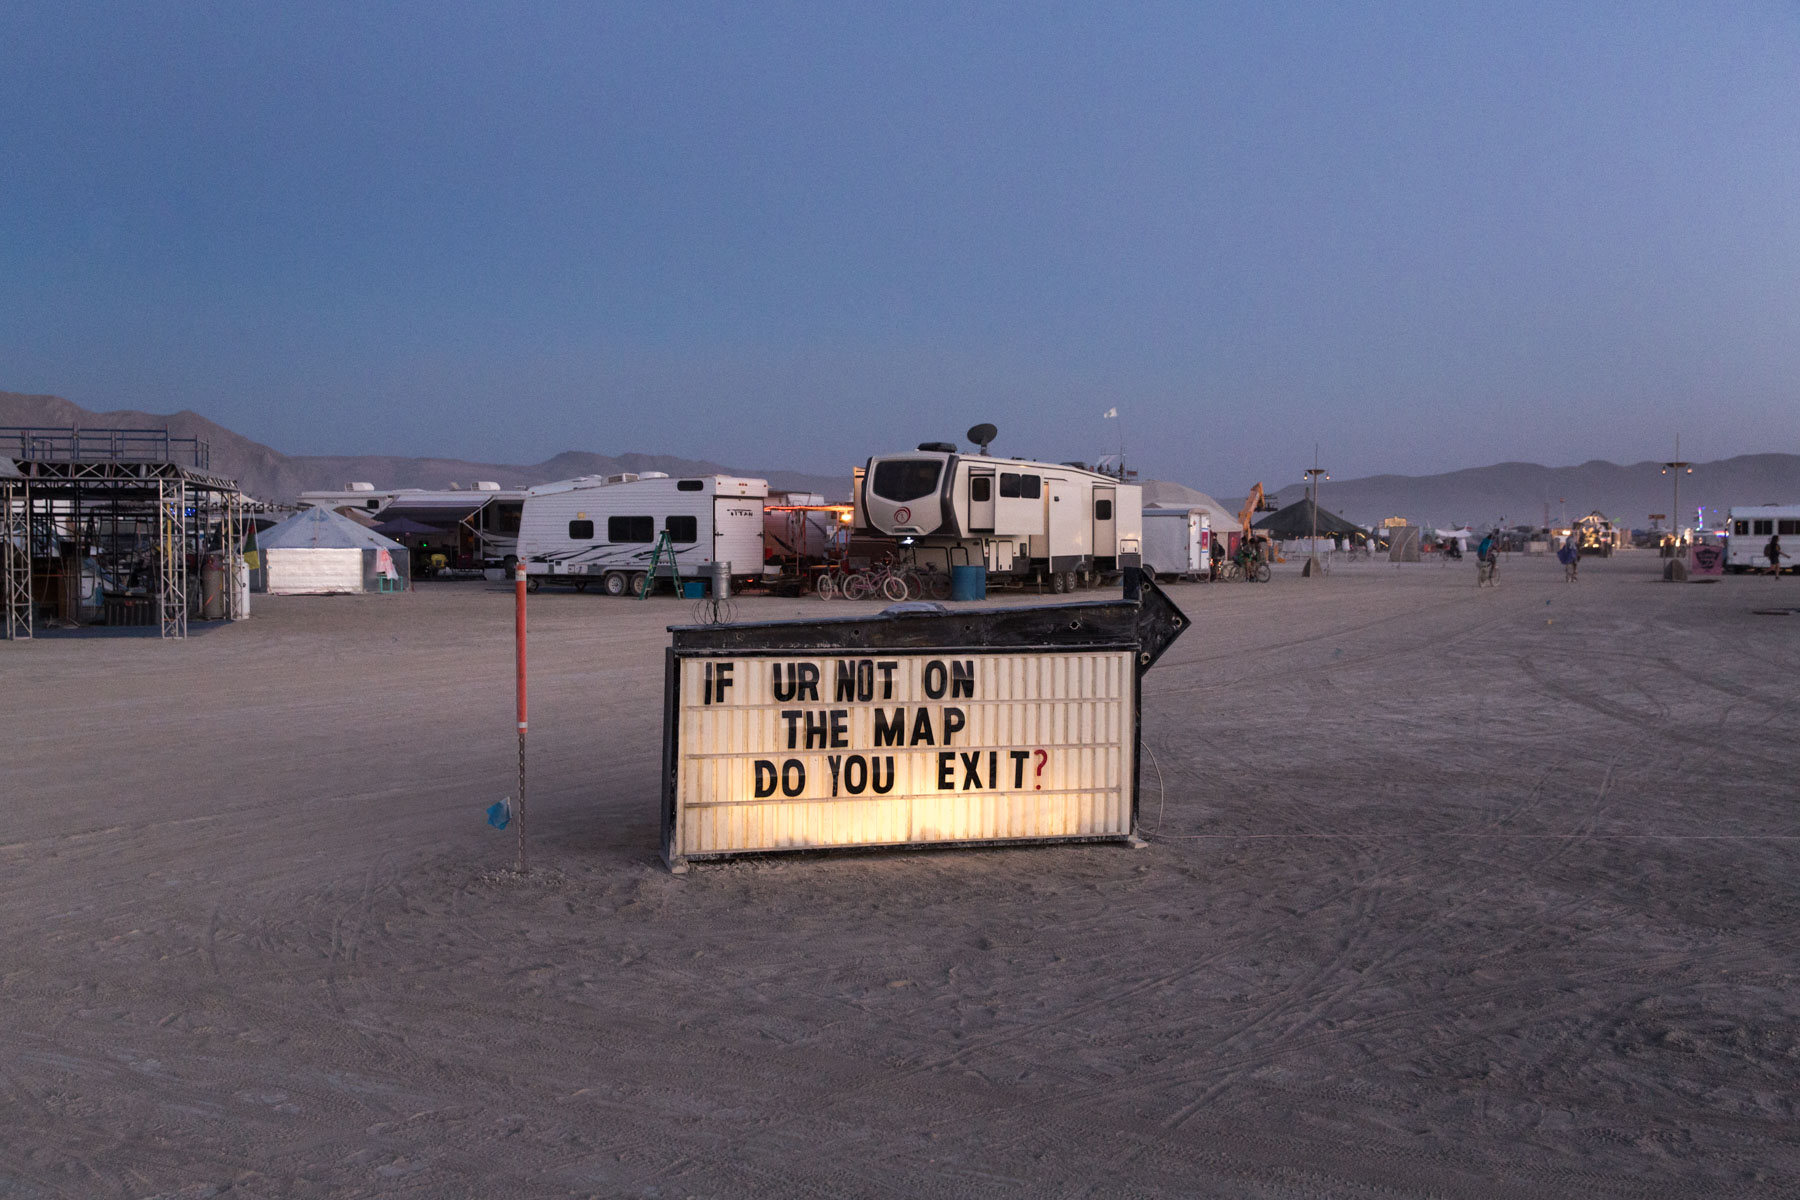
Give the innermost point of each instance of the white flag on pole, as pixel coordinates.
(1111, 412)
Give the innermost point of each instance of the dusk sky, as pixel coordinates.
(1425, 236)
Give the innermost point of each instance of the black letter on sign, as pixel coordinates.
(946, 769)
(724, 682)
(856, 774)
(971, 770)
(883, 788)
(921, 730)
(793, 777)
(840, 728)
(1019, 757)
(792, 717)
(887, 679)
(809, 682)
(953, 723)
(835, 760)
(784, 691)
(890, 733)
(937, 679)
(962, 679)
(846, 680)
(765, 778)
(815, 730)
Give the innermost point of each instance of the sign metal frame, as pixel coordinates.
(1144, 627)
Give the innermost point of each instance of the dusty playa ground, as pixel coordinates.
(1450, 893)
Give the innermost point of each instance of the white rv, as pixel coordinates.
(1177, 541)
(1062, 524)
(604, 530)
(1749, 531)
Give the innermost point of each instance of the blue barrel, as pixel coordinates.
(968, 583)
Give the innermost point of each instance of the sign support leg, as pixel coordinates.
(524, 864)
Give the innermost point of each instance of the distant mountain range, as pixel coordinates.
(268, 474)
(1510, 493)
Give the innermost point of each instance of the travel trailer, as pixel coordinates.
(604, 530)
(1178, 542)
(1064, 525)
(1749, 530)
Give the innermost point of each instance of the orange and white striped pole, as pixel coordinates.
(519, 596)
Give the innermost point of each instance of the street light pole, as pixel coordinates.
(1313, 475)
(1677, 468)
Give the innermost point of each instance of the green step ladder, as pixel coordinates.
(656, 553)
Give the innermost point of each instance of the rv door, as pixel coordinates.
(1195, 553)
(981, 502)
(1106, 530)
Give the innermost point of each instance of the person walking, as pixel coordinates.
(1773, 550)
(1570, 557)
(1217, 555)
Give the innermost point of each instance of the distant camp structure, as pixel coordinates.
(1296, 521)
(320, 552)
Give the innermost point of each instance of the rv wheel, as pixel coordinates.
(637, 584)
(1068, 581)
(1056, 583)
(613, 583)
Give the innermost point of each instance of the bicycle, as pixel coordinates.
(714, 611)
(927, 582)
(881, 579)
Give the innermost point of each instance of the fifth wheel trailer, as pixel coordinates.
(1021, 519)
(604, 531)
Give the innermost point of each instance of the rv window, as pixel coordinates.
(1787, 528)
(1763, 527)
(690, 485)
(504, 518)
(1103, 510)
(1030, 487)
(581, 531)
(682, 529)
(1009, 486)
(631, 529)
(907, 478)
(981, 488)
(372, 505)
(1741, 528)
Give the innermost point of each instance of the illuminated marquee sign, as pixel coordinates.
(917, 729)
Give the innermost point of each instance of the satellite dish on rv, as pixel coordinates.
(983, 434)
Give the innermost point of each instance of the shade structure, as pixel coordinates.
(1296, 521)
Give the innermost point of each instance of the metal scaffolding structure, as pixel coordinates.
(103, 526)
(15, 560)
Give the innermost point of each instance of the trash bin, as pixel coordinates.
(968, 583)
(721, 580)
